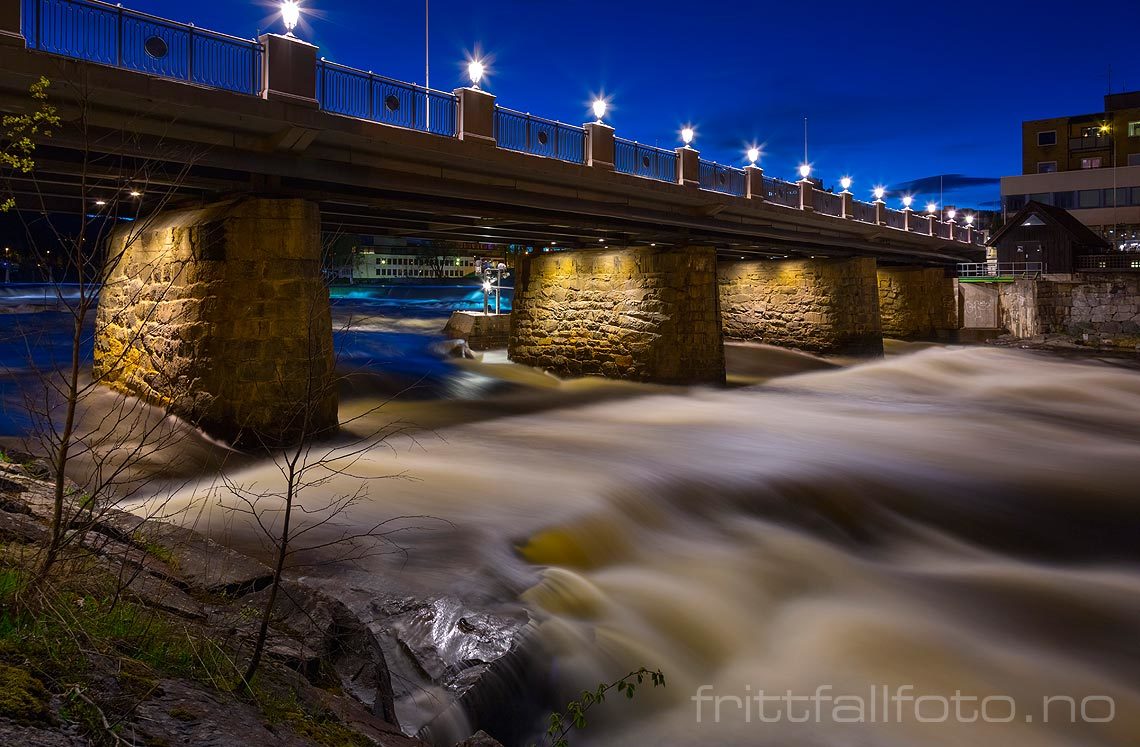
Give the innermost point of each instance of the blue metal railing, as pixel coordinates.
(716, 178)
(782, 192)
(828, 203)
(644, 160)
(539, 137)
(111, 35)
(862, 211)
(365, 95)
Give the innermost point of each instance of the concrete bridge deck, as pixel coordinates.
(370, 177)
(213, 304)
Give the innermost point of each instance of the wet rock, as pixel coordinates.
(25, 735)
(181, 713)
(22, 528)
(480, 739)
(201, 562)
(313, 633)
(453, 349)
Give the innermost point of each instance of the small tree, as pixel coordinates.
(110, 440)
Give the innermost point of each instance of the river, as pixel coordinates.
(937, 548)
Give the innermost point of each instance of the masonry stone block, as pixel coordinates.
(828, 306)
(642, 314)
(195, 317)
(916, 303)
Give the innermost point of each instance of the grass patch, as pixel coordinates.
(68, 638)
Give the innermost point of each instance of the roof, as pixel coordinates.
(1056, 217)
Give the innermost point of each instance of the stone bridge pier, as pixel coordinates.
(219, 314)
(827, 306)
(917, 303)
(642, 314)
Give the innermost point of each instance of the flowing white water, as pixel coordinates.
(953, 521)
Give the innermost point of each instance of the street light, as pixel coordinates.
(600, 106)
(907, 201)
(931, 208)
(475, 70)
(950, 214)
(969, 220)
(290, 15)
(845, 182)
(687, 135)
(878, 192)
(753, 155)
(805, 170)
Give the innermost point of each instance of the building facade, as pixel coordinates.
(1088, 164)
(388, 264)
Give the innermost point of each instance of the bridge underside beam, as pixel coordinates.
(642, 314)
(827, 306)
(219, 314)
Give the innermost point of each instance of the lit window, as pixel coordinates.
(1046, 167)
(1047, 138)
(1091, 163)
(1134, 129)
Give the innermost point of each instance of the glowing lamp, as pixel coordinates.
(136, 193)
(100, 203)
(475, 72)
(599, 109)
(907, 201)
(753, 155)
(931, 208)
(969, 220)
(845, 182)
(290, 15)
(687, 135)
(879, 192)
(951, 213)
(805, 171)
(487, 286)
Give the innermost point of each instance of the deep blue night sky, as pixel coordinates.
(893, 95)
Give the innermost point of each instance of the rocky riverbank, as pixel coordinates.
(140, 637)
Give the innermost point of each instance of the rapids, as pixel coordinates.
(946, 522)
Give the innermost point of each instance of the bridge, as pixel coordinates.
(641, 260)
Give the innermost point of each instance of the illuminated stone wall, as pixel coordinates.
(826, 306)
(916, 303)
(643, 314)
(219, 314)
(1104, 304)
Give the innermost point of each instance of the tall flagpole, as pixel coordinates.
(427, 38)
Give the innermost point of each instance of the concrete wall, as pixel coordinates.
(916, 303)
(1103, 304)
(819, 305)
(644, 314)
(219, 314)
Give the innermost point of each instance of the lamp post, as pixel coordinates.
(687, 135)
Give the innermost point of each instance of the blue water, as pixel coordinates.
(409, 299)
(383, 338)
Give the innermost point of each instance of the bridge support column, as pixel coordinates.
(219, 314)
(917, 303)
(10, 26)
(828, 306)
(642, 314)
